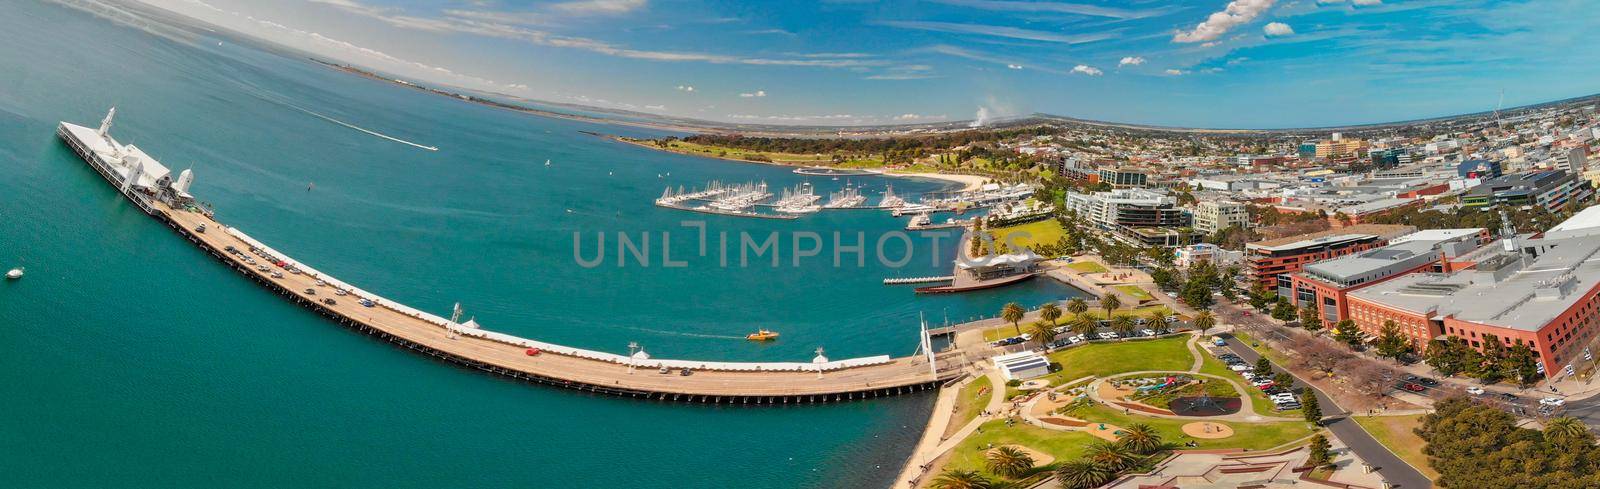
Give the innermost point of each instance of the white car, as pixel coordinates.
(1475, 390)
(1147, 332)
(1552, 401)
(1284, 397)
(1240, 368)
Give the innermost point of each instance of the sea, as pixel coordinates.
(130, 359)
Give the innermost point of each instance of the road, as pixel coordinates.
(1337, 420)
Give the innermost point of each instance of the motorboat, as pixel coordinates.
(762, 335)
(14, 274)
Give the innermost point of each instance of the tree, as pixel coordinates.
(1083, 325)
(1472, 444)
(1263, 367)
(1050, 312)
(1112, 456)
(1043, 332)
(1009, 462)
(1083, 474)
(1569, 432)
(1124, 325)
(1077, 306)
(1012, 313)
(1157, 320)
(1197, 294)
(1141, 438)
(1320, 452)
(1283, 379)
(1520, 364)
(1309, 406)
(1309, 318)
(961, 479)
(1110, 303)
(1165, 278)
(1260, 299)
(1346, 332)
(1283, 311)
(1204, 321)
(1391, 342)
(1452, 355)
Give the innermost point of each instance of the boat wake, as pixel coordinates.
(691, 335)
(359, 128)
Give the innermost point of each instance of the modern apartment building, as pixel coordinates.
(1551, 189)
(1215, 215)
(1136, 215)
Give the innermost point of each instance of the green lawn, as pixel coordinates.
(1394, 432)
(1088, 267)
(1006, 331)
(1253, 436)
(1103, 359)
(971, 400)
(1063, 445)
(1134, 291)
(1048, 231)
(791, 158)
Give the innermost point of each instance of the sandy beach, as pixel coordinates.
(968, 182)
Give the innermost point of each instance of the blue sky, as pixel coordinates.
(1210, 63)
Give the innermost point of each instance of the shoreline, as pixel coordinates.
(967, 182)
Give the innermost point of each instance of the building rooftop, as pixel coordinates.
(1403, 253)
(1291, 242)
(1505, 291)
(1585, 223)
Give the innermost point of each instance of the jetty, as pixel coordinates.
(917, 280)
(149, 185)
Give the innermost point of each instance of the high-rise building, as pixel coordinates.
(1135, 215)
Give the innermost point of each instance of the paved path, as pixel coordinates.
(1194, 349)
(1337, 420)
(927, 454)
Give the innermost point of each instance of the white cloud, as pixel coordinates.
(1014, 66)
(1131, 60)
(1087, 70)
(1065, 8)
(1366, 2)
(661, 108)
(1218, 23)
(1277, 29)
(686, 88)
(1176, 72)
(756, 94)
(599, 6)
(1001, 31)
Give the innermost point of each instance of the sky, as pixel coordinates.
(1196, 63)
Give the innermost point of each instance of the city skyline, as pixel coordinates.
(1240, 64)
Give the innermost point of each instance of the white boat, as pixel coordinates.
(14, 274)
(844, 199)
(890, 200)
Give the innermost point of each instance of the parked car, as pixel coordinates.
(1413, 387)
(1552, 402)
(1428, 382)
(1239, 367)
(1508, 397)
(1147, 332)
(1475, 390)
(1219, 342)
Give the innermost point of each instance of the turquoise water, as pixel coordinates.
(129, 358)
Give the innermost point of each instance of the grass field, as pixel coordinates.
(1048, 231)
(970, 401)
(789, 158)
(1134, 291)
(1088, 267)
(999, 332)
(1063, 445)
(1394, 432)
(1103, 359)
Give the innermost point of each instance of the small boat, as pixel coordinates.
(14, 274)
(762, 335)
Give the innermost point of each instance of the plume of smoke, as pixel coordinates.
(981, 118)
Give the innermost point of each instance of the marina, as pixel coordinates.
(146, 182)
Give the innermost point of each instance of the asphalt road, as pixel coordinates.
(1396, 471)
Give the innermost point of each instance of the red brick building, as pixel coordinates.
(1269, 262)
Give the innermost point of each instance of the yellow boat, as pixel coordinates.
(762, 335)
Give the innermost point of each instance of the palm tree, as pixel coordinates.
(1013, 313)
(1083, 474)
(1050, 312)
(1082, 325)
(1204, 321)
(1157, 320)
(1044, 332)
(1566, 429)
(1110, 455)
(1009, 462)
(1141, 438)
(1077, 306)
(1123, 324)
(1110, 303)
(960, 479)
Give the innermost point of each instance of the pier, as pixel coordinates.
(917, 280)
(145, 182)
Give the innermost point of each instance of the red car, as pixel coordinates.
(1246, 314)
(1413, 387)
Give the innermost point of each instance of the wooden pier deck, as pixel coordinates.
(901, 375)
